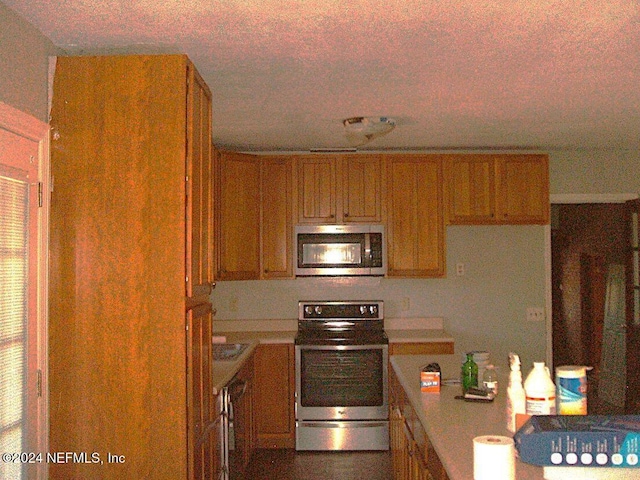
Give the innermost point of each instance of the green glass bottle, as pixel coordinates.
(469, 375)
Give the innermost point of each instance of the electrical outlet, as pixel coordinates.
(406, 304)
(233, 304)
(535, 314)
(459, 269)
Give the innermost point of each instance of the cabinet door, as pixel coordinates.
(470, 189)
(523, 189)
(200, 402)
(361, 188)
(317, 190)
(415, 223)
(117, 272)
(276, 227)
(238, 223)
(243, 421)
(274, 386)
(199, 175)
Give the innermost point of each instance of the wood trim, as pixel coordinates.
(21, 124)
(421, 348)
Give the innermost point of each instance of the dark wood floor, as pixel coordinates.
(286, 464)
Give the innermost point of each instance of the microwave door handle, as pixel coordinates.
(367, 249)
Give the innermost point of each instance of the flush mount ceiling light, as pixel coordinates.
(361, 130)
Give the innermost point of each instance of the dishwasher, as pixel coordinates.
(229, 465)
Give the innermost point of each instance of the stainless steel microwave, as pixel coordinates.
(340, 250)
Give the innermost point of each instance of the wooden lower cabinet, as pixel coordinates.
(274, 381)
(201, 447)
(413, 456)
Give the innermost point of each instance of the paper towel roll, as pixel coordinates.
(494, 458)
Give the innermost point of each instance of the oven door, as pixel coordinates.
(338, 383)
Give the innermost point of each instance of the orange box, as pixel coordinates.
(430, 382)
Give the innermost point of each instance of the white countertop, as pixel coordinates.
(225, 370)
(399, 330)
(451, 424)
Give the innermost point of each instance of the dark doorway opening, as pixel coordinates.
(590, 246)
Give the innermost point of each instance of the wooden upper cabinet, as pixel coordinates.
(523, 189)
(361, 188)
(238, 217)
(470, 188)
(497, 189)
(415, 226)
(276, 231)
(339, 189)
(199, 166)
(317, 189)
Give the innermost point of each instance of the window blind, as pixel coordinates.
(14, 214)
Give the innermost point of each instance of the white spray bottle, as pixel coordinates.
(516, 398)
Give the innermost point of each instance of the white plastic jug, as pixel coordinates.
(540, 391)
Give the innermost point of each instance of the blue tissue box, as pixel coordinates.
(580, 440)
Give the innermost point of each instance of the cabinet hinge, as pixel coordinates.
(40, 199)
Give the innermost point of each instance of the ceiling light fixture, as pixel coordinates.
(361, 130)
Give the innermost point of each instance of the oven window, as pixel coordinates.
(345, 378)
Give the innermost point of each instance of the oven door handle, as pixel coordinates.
(351, 424)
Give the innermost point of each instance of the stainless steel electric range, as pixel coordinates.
(341, 354)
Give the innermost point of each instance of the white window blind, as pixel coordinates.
(14, 214)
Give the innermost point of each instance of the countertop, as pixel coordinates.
(452, 424)
(225, 370)
(399, 330)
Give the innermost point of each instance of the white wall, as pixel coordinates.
(484, 309)
(24, 64)
(595, 171)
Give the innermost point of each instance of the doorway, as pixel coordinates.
(589, 254)
(23, 292)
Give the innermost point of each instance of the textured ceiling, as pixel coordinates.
(455, 74)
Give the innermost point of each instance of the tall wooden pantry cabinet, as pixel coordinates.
(131, 269)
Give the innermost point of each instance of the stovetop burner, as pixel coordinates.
(341, 323)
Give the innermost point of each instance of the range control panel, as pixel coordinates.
(308, 310)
